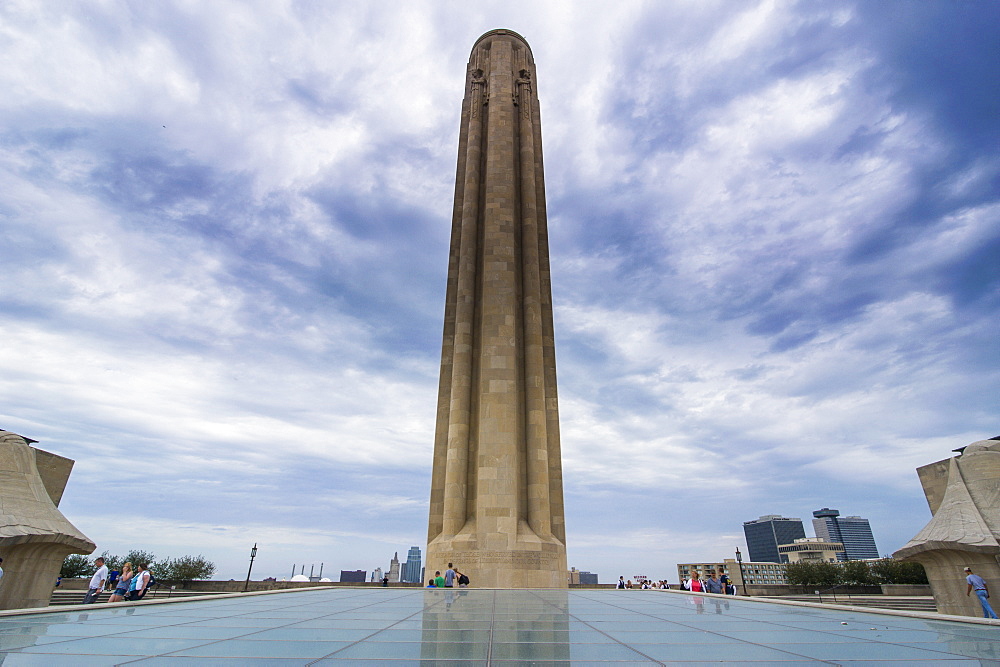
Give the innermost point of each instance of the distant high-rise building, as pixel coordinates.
(411, 568)
(812, 550)
(852, 531)
(578, 577)
(376, 574)
(355, 576)
(766, 533)
(394, 568)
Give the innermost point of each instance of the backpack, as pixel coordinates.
(463, 580)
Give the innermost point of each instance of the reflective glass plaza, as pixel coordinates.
(478, 627)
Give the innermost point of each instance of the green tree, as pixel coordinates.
(891, 571)
(138, 557)
(76, 565)
(798, 574)
(185, 568)
(823, 575)
(113, 562)
(912, 573)
(856, 573)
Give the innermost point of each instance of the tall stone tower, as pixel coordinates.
(496, 508)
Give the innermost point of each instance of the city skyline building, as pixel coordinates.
(412, 567)
(394, 568)
(353, 576)
(764, 534)
(854, 532)
(577, 577)
(812, 550)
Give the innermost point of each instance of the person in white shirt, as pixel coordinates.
(96, 582)
(139, 582)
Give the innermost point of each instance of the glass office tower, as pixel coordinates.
(411, 568)
(766, 533)
(852, 531)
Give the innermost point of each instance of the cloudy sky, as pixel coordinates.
(775, 232)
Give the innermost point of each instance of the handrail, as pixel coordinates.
(834, 589)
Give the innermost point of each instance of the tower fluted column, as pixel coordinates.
(496, 492)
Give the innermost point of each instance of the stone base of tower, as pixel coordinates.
(523, 564)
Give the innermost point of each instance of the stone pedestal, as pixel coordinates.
(963, 493)
(35, 537)
(496, 507)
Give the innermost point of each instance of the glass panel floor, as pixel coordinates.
(401, 626)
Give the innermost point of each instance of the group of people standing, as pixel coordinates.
(645, 584)
(128, 584)
(450, 577)
(714, 584)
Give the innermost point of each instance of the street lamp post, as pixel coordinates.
(253, 554)
(739, 563)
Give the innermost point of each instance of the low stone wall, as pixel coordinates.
(210, 586)
(237, 586)
(906, 589)
(74, 584)
(776, 590)
(771, 590)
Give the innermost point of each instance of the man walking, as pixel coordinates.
(449, 576)
(96, 582)
(977, 584)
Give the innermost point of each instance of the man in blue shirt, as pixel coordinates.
(713, 585)
(977, 584)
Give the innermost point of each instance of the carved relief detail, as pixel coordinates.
(522, 93)
(477, 96)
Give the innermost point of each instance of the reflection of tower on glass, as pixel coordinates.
(496, 494)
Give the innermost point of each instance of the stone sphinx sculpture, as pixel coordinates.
(964, 497)
(35, 537)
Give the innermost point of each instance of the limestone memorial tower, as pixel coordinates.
(496, 507)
